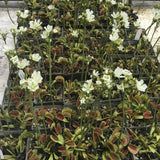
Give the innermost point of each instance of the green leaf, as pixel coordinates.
(110, 145)
(138, 117)
(55, 156)
(28, 116)
(8, 126)
(147, 115)
(27, 134)
(60, 139)
(92, 156)
(54, 138)
(133, 149)
(51, 157)
(114, 156)
(58, 128)
(152, 148)
(152, 129)
(14, 113)
(70, 143)
(125, 140)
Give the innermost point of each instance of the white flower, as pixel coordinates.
(126, 24)
(107, 80)
(106, 70)
(32, 85)
(24, 83)
(120, 47)
(35, 57)
(115, 30)
(89, 15)
(22, 29)
(35, 24)
(14, 59)
(89, 59)
(141, 86)
(88, 86)
(50, 7)
(115, 15)
(82, 100)
(95, 73)
(36, 76)
(98, 82)
(55, 30)
(136, 24)
(124, 15)
(49, 28)
(24, 14)
(126, 72)
(112, 1)
(7, 48)
(23, 63)
(120, 87)
(45, 35)
(14, 29)
(118, 72)
(114, 36)
(80, 16)
(75, 33)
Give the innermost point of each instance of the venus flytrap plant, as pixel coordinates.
(75, 49)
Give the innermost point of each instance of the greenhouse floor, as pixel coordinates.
(145, 16)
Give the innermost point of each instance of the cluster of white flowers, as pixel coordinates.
(125, 19)
(98, 84)
(32, 83)
(126, 74)
(21, 64)
(120, 17)
(114, 36)
(47, 31)
(121, 73)
(22, 29)
(89, 16)
(87, 86)
(141, 86)
(36, 24)
(101, 84)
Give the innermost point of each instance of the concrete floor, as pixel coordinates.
(145, 17)
(5, 25)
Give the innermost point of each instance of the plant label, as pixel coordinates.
(21, 74)
(124, 1)
(1, 154)
(138, 35)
